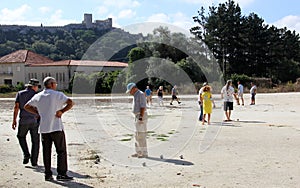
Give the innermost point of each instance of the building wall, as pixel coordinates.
(13, 72)
(60, 73)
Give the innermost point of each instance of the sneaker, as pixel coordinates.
(179, 102)
(171, 104)
(64, 177)
(49, 178)
(26, 160)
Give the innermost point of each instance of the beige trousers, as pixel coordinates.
(140, 135)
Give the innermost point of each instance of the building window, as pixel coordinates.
(63, 77)
(9, 70)
(18, 68)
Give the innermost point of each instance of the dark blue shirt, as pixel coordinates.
(22, 98)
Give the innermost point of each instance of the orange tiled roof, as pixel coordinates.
(54, 63)
(97, 63)
(32, 59)
(24, 56)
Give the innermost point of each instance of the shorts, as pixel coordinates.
(228, 106)
(253, 96)
(174, 97)
(240, 95)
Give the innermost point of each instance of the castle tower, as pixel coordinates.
(88, 18)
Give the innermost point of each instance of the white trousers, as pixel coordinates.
(140, 135)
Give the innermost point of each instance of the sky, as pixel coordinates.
(281, 13)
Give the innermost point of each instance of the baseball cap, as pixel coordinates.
(130, 86)
(205, 84)
(33, 82)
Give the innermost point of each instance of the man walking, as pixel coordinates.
(50, 105)
(141, 118)
(174, 95)
(27, 122)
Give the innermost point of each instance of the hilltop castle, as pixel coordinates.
(87, 23)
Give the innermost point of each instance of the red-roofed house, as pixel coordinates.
(22, 65)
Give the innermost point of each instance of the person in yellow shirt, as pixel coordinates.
(206, 100)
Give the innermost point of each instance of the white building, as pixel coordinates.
(22, 65)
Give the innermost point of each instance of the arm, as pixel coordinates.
(142, 111)
(15, 114)
(31, 109)
(69, 105)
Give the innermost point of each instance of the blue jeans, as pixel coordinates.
(201, 112)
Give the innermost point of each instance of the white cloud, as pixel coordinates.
(44, 10)
(128, 13)
(56, 19)
(14, 16)
(291, 22)
(102, 10)
(207, 3)
(121, 4)
(160, 17)
(178, 19)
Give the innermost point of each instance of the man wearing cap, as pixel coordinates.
(140, 114)
(27, 122)
(50, 104)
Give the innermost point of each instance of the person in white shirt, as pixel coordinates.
(227, 93)
(240, 93)
(253, 93)
(50, 104)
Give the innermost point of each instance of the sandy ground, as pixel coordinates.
(259, 149)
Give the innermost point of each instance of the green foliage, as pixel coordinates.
(100, 82)
(19, 86)
(62, 44)
(246, 45)
(244, 79)
(5, 89)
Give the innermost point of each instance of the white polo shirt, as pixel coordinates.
(47, 103)
(227, 94)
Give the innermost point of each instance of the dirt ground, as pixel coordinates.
(258, 149)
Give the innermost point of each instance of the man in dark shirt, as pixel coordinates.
(27, 122)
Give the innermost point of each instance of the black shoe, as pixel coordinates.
(49, 178)
(64, 177)
(26, 160)
(171, 104)
(179, 102)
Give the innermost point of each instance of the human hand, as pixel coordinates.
(58, 114)
(14, 125)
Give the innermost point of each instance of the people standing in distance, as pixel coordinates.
(148, 94)
(174, 94)
(160, 94)
(253, 92)
(207, 103)
(50, 105)
(240, 93)
(227, 93)
(200, 102)
(140, 113)
(28, 122)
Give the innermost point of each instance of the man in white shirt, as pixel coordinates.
(253, 93)
(240, 93)
(50, 104)
(227, 93)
